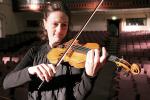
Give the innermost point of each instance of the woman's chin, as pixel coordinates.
(58, 40)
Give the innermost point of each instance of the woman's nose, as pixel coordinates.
(59, 28)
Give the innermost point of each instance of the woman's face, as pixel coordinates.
(56, 25)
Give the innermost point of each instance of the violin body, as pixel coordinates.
(76, 56)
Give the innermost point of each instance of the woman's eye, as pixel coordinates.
(63, 25)
(55, 24)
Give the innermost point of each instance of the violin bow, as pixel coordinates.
(75, 38)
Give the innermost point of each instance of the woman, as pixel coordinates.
(65, 83)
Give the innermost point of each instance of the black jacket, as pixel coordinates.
(69, 83)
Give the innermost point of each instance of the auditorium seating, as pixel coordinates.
(135, 44)
(135, 87)
(14, 42)
(134, 47)
(99, 37)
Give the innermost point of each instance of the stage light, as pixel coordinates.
(113, 17)
(34, 6)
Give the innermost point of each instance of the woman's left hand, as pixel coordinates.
(94, 61)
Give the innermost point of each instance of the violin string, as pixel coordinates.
(80, 48)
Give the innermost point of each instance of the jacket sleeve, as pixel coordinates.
(84, 87)
(20, 74)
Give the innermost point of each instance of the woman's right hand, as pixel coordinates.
(44, 71)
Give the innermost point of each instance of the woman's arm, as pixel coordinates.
(93, 64)
(84, 88)
(20, 74)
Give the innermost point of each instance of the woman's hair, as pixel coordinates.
(53, 5)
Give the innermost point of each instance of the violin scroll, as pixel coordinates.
(135, 68)
(121, 63)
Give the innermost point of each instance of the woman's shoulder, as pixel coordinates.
(40, 48)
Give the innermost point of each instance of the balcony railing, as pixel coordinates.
(91, 4)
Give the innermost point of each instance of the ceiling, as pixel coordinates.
(108, 4)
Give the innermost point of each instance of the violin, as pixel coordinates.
(76, 57)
